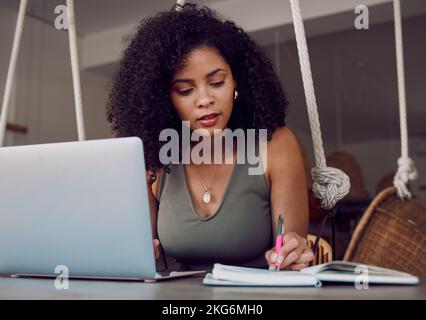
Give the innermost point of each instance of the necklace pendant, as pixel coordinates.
(206, 197)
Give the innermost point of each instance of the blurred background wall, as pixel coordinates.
(354, 72)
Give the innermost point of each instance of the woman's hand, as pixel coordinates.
(295, 254)
(156, 244)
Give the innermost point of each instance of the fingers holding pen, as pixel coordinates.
(294, 254)
(303, 262)
(277, 259)
(291, 250)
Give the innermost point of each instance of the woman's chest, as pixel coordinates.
(239, 231)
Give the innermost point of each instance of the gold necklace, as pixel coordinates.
(206, 196)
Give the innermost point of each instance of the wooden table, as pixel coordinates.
(193, 289)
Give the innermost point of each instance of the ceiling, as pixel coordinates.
(97, 15)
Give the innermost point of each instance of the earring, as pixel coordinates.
(235, 95)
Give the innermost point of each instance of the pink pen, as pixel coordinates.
(279, 241)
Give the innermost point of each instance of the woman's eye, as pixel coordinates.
(217, 84)
(184, 92)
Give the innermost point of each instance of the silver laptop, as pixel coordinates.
(82, 205)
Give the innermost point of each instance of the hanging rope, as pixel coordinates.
(406, 168)
(11, 70)
(330, 184)
(72, 37)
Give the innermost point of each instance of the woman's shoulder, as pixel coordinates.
(283, 150)
(282, 139)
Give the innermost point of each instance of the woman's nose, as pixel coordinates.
(204, 99)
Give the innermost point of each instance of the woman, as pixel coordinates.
(191, 65)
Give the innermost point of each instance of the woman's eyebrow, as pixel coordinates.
(182, 80)
(209, 75)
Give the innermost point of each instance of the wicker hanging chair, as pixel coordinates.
(349, 164)
(391, 234)
(385, 182)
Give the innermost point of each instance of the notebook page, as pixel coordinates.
(209, 280)
(341, 267)
(340, 271)
(263, 276)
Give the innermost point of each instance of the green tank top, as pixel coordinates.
(238, 233)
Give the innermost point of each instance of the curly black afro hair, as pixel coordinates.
(139, 103)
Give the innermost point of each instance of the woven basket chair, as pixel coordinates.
(385, 182)
(347, 162)
(391, 234)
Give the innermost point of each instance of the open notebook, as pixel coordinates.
(336, 271)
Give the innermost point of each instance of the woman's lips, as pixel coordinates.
(209, 120)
